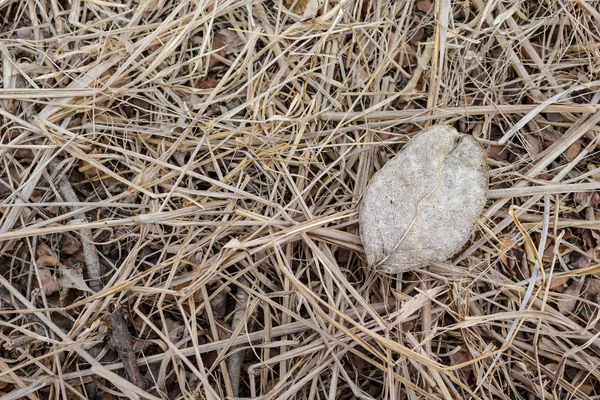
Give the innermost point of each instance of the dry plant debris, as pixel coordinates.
(199, 166)
(422, 206)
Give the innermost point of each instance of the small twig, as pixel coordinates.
(235, 360)
(121, 341)
(90, 255)
(242, 340)
(31, 318)
(98, 369)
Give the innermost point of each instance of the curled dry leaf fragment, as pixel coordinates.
(533, 145)
(70, 245)
(24, 155)
(497, 152)
(230, 39)
(219, 47)
(573, 151)
(459, 357)
(46, 256)
(305, 8)
(72, 278)
(559, 283)
(505, 245)
(587, 199)
(425, 6)
(209, 83)
(224, 42)
(406, 55)
(48, 281)
(568, 302)
(596, 176)
(422, 206)
(88, 169)
(150, 5)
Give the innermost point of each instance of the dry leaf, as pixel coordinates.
(234, 244)
(582, 263)
(570, 296)
(531, 253)
(178, 287)
(505, 245)
(586, 199)
(497, 152)
(421, 207)
(224, 42)
(218, 47)
(545, 176)
(79, 255)
(88, 169)
(554, 117)
(586, 388)
(592, 167)
(175, 329)
(209, 83)
(515, 259)
(459, 357)
(573, 151)
(592, 291)
(154, 47)
(150, 5)
(72, 278)
(230, 39)
(46, 256)
(425, 6)
(306, 8)
(506, 14)
(558, 283)
(24, 155)
(70, 245)
(589, 242)
(533, 145)
(48, 281)
(549, 248)
(218, 304)
(406, 55)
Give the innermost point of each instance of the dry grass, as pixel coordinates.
(202, 162)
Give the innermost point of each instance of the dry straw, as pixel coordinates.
(200, 165)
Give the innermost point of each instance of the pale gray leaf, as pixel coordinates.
(422, 206)
(72, 278)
